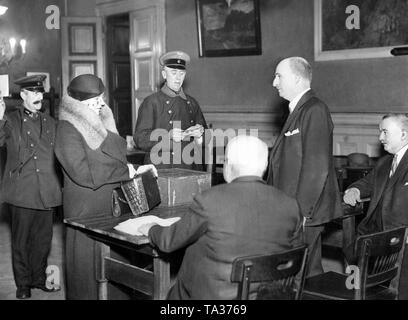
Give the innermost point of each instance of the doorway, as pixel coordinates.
(119, 72)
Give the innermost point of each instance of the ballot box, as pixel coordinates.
(179, 186)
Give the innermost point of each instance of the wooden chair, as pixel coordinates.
(375, 277)
(276, 276)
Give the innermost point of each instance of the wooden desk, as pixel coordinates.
(155, 283)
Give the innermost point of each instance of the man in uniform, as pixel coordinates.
(30, 185)
(177, 114)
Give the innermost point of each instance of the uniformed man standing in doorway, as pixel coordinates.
(30, 185)
(174, 112)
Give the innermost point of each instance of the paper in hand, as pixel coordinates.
(131, 226)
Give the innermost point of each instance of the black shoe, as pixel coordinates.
(46, 289)
(23, 293)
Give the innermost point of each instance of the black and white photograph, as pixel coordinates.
(215, 152)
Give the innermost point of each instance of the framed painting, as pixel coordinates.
(356, 29)
(228, 28)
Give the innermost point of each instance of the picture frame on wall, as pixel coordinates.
(77, 68)
(359, 29)
(47, 80)
(228, 28)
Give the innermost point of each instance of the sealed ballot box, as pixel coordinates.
(179, 186)
(142, 192)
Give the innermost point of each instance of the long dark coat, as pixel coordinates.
(244, 217)
(30, 178)
(160, 111)
(93, 158)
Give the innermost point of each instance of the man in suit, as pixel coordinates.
(387, 186)
(30, 185)
(301, 161)
(243, 217)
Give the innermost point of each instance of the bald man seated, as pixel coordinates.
(243, 217)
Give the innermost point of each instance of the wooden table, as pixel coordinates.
(155, 283)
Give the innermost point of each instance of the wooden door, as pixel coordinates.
(81, 48)
(118, 65)
(146, 46)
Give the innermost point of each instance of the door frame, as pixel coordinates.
(106, 8)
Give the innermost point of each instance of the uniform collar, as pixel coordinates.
(167, 91)
(33, 115)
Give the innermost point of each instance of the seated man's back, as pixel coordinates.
(243, 217)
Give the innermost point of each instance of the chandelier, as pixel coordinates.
(11, 49)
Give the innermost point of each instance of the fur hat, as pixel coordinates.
(85, 86)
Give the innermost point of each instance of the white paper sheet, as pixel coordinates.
(131, 226)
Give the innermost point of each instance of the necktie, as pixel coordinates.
(393, 165)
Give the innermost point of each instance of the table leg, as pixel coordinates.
(102, 251)
(161, 270)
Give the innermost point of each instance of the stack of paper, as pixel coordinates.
(131, 226)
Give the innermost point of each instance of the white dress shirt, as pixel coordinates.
(295, 100)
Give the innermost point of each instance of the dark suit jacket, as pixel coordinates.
(394, 193)
(244, 217)
(301, 164)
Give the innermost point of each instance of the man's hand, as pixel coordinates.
(195, 131)
(144, 228)
(147, 167)
(2, 107)
(352, 196)
(176, 134)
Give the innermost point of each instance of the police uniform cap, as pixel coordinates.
(175, 60)
(32, 83)
(85, 86)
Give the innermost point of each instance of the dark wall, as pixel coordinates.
(26, 19)
(368, 85)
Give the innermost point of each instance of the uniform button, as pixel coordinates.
(38, 170)
(25, 120)
(45, 119)
(171, 122)
(31, 145)
(191, 111)
(28, 132)
(170, 112)
(48, 131)
(188, 102)
(52, 143)
(172, 153)
(191, 121)
(167, 101)
(35, 157)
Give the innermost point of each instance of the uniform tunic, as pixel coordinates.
(161, 110)
(30, 177)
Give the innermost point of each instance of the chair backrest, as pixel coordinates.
(277, 276)
(380, 257)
